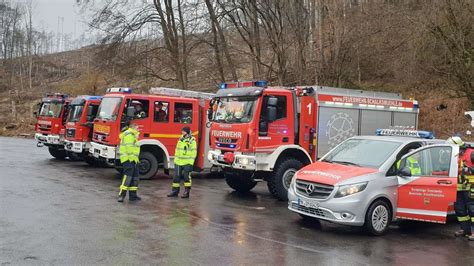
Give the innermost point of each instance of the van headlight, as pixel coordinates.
(293, 183)
(347, 190)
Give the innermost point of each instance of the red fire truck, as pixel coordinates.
(161, 117)
(261, 133)
(79, 124)
(51, 118)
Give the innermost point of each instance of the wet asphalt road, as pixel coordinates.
(61, 212)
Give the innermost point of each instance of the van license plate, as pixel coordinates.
(308, 204)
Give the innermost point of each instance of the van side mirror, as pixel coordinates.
(404, 172)
(35, 113)
(130, 112)
(472, 157)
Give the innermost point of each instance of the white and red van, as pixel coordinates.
(362, 183)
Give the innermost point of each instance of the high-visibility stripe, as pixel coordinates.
(422, 212)
(133, 188)
(170, 136)
(464, 218)
(175, 185)
(123, 187)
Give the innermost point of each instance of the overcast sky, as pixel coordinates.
(46, 13)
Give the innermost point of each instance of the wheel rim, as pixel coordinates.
(288, 177)
(144, 166)
(380, 218)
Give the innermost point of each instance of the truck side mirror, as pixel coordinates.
(35, 113)
(90, 111)
(404, 172)
(472, 157)
(271, 113)
(130, 111)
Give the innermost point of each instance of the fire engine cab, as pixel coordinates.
(160, 116)
(261, 133)
(372, 180)
(79, 124)
(50, 124)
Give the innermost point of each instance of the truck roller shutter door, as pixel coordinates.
(335, 125)
(373, 119)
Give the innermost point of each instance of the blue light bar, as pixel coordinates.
(261, 83)
(404, 133)
(92, 98)
(223, 85)
(119, 90)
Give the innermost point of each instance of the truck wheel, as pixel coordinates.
(378, 218)
(57, 153)
(239, 182)
(148, 165)
(279, 182)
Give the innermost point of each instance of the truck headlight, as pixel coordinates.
(245, 161)
(350, 189)
(210, 156)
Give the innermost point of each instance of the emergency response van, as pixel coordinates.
(50, 124)
(160, 116)
(372, 180)
(79, 124)
(261, 133)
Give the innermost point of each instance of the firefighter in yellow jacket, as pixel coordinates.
(184, 156)
(129, 151)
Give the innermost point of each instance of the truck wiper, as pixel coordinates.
(345, 163)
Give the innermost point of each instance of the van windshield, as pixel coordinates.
(362, 152)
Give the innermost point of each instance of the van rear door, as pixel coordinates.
(427, 183)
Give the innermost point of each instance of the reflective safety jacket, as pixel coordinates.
(186, 151)
(413, 165)
(465, 177)
(129, 148)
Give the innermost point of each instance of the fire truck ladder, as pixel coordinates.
(181, 93)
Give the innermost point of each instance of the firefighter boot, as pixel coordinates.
(186, 193)
(174, 193)
(460, 233)
(470, 237)
(122, 196)
(133, 196)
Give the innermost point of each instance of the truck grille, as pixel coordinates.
(313, 190)
(100, 137)
(44, 127)
(313, 211)
(71, 132)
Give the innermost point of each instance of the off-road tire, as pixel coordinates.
(239, 182)
(378, 218)
(275, 180)
(151, 165)
(59, 154)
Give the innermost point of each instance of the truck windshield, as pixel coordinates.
(109, 108)
(234, 110)
(75, 113)
(51, 109)
(362, 152)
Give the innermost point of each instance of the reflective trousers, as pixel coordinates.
(464, 207)
(182, 172)
(130, 177)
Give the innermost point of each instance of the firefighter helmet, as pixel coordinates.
(456, 140)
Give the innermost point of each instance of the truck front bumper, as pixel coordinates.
(241, 161)
(49, 139)
(102, 151)
(348, 210)
(77, 146)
